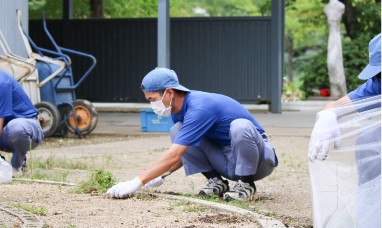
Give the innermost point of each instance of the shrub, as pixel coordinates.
(355, 58)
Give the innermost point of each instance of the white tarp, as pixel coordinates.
(346, 186)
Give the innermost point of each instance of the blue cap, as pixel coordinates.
(374, 66)
(161, 79)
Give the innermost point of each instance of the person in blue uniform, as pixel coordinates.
(372, 87)
(213, 135)
(368, 140)
(20, 130)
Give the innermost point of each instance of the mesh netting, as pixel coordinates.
(346, 186)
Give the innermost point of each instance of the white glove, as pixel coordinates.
(124, 189)
(325, 131)
(154, 183)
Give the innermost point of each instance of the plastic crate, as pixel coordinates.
(151, 122)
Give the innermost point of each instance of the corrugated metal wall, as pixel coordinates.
(223, 55)
(8, 24)
(125, 50)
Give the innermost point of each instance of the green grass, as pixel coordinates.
(59, 176)
(57, 168)
(53, 162)
(71, 226)
(189, 207)
(37, 210)
(98, 181)
(248, 205)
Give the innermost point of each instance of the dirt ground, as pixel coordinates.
(285, 195)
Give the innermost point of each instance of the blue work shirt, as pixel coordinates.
(371, 87)
(209, 115)
(14, 102)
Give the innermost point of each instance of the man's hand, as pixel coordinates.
(124, 189)
(325, 131)
(155, 182)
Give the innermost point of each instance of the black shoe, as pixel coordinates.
(241, 191)
(215, 186)
(25, 166)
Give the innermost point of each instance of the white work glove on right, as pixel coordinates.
(154, 183)
(325, 131)
(124, 189)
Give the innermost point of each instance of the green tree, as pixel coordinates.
(304, 29)
(149, 8)
(355, 43)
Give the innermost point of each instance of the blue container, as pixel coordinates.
(49, 92)
(151, 122)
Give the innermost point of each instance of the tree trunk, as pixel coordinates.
(290, 53)
(290, 60)
(349, 19)
(97, 9)
(334, 10)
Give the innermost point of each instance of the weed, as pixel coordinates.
(41, 211)
(241, 204)
(177, 203)
(71, 226)
(195, 208)
(39, 174)
(53, 162)
(189, 207)
(145, 196)
(98, 181)
(108, 159)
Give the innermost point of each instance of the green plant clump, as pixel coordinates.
(98, 181)
(42, 211)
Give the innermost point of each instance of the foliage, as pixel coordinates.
(41, 211)
(98, 181)
(38, 174)
(361, 16)
(369, 17)
(149, 8)
(291, 92)
(81, 9)
(355, 58)
(53, 162)
(305, 23)
(316, 73)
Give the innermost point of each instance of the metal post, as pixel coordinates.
(163, 33)
(67, 9)
(277, 54)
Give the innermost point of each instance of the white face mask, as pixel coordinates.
(159, 107)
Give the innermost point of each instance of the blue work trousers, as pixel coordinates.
(19, 136)
(249, 153)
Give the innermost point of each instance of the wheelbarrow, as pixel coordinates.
(25, 72)
(76, 115)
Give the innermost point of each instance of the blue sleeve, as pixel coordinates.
(371, 87)
(5, 100)
(196, 124)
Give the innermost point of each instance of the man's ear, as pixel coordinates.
(170, 91)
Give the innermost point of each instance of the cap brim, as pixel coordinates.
(180, 87)
(369, 72)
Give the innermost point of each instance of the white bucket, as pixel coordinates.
(5, 171)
